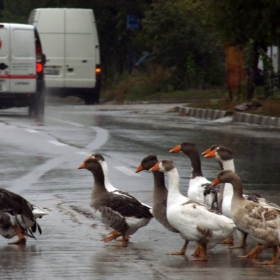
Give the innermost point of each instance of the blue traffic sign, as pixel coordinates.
(132, 22)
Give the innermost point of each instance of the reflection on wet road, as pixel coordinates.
(40, 163)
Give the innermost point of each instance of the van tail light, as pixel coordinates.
(38, 51)
(39, 64)
(98, 71)
(39, 67)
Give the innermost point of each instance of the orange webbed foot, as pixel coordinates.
(227, 241)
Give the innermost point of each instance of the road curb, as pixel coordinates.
(209, 114)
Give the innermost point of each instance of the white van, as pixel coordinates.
(70, 41)
(21, 68)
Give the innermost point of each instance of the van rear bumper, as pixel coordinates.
(9, 100)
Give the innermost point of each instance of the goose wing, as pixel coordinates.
(15, 204)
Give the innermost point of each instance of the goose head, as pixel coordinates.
(164, 165)
(91, 164)
(147, 163)
(210, 149)
(185, 147)
(220, 153)
(226, 176)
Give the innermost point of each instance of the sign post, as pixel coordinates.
(132, 23)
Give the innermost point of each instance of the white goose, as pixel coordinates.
(195, 221)
(197, 183)
(18, 216)
(263, 224)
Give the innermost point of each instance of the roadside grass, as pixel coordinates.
(270, 106)
(155, 87)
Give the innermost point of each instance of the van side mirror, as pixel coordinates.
(43, 59)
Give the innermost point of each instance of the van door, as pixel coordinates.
(23, 60)
(50, 24)
(79, 49)
(4, 58)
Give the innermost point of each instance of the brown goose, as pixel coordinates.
(108, 185)
(18, 217)
(123, 214)
(224, 157)
(263, 224)
(159, 197)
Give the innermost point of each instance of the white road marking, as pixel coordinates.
(71, 123)
(126, 171)
(32, 130)
(57, 143)
(83, 153)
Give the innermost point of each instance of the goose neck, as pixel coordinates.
(195, 163)
(228, 165)
(173, 181)
(159, 180)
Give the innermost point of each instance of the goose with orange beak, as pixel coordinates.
(123, 214)
(199, 187)
(195, 222)
(160, 197)
(262, 224)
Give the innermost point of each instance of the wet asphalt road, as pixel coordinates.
(40, 163)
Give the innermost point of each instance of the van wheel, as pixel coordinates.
(91, 96)
(31, 109)
(37, 107)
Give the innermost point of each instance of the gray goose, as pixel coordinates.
(159, 197)
(123, 214)
(261, 223)
(108, 185)
(18, 217)
(110, 188)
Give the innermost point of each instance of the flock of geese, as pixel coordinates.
(208, 215)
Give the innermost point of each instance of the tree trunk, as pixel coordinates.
(252, 72)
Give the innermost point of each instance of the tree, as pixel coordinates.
(242, 22)
(176, 34)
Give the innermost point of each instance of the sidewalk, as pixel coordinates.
(224, 116)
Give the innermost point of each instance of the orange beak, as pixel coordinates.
(87, 158)
(82, 166)
(206, 152)
(139, 168)
(176, 149)
(215, 182)
(155, 167)
(211, 154)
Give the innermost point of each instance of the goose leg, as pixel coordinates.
(204, 256)
(227, 241)
(182, 251)
(124, 241)
(113, 232)
(111, 237)
(21, 239)
(254, 254)
(197, 252)
(243, 243)
(274, 258)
